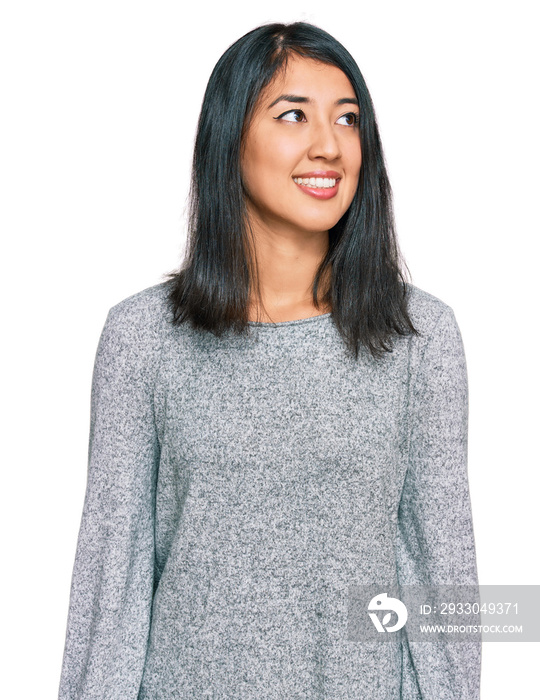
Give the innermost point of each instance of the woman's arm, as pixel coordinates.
(112, 581)
(436, 543)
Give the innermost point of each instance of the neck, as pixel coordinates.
(287, 262)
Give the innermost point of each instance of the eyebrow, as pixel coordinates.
(298, 98)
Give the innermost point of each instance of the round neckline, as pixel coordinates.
(279, 324)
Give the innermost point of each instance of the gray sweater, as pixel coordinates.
(236, 487)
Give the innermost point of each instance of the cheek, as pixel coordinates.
(355, 157)
(268, 166)
(354, 166)
(274, 160)
(258, 164)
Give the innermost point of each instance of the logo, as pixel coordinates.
(384, 603)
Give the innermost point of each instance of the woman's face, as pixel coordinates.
(301, 154)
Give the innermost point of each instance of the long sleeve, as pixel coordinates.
(436, 543)
(112, 581)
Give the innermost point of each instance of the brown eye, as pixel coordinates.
(293, 115)
(351, 118)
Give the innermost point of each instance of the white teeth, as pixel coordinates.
(323, 182)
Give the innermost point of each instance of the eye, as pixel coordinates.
(352, 119)
(291, 115)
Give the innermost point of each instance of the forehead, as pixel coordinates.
(308, 78)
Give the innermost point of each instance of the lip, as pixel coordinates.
(321, 173)
(318, 192)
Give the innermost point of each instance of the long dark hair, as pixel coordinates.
(367, 291)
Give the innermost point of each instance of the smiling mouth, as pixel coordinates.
(321, 188)
(317, 182)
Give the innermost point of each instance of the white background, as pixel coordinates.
(99, 107)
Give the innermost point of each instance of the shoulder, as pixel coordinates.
(439, 347)
(428, 313)
(145, 309)
(134, 330)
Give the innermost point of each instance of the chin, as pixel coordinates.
(320, 218)
(318, 223)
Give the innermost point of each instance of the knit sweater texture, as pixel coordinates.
(236, 488)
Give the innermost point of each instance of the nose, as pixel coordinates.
(324, 142)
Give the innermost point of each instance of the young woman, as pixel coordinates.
(282, 418)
